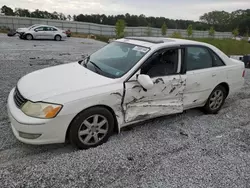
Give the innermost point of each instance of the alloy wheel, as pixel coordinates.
(216, 100)
(93, 129)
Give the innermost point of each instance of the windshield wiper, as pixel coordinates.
(84, 63)
(95, 65)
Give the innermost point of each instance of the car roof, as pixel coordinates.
(47, 26)
(40, 25)
(159, 41)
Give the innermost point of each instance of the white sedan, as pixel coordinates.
(43, 32)
(127, 81)
(22, 30)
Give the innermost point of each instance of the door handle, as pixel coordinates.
(213, 75)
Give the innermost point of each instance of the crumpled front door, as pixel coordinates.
(166, 97)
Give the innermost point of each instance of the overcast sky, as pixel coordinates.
(175, 9)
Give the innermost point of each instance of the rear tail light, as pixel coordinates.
(243, 73)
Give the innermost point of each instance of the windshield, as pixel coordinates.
(115, 59)
(32, 26)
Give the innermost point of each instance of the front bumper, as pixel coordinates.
(21, 35)
(46, 131)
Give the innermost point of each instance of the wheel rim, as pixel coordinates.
(93, 129)
(58, 38)
(216, 100)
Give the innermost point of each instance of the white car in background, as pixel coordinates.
(127, 81)
(239, 38)
(44, 32)
(24, 29)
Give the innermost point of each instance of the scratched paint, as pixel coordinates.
(158, 80)
(140, 111)
(117, 94)
(166, 97)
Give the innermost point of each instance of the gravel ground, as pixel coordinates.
(188, 150)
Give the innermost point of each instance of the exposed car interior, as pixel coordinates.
(162, 64)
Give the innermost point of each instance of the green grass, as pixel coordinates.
(103, 38)
(4, 30)
(79, 35)
(228, 46)
(98, 37)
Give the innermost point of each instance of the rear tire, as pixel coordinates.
(216, 100)
(29, 37)
(91, 128)
(58, 37)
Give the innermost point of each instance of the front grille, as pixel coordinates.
(19, 99)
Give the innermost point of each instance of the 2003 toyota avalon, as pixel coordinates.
(127, 81)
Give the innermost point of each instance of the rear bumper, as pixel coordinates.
(64, 36)
(236, 87)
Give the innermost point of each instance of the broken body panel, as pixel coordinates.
(166, 97)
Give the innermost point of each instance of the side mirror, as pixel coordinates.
(35, 30)
(145, 81)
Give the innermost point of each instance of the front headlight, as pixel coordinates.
(41, 110)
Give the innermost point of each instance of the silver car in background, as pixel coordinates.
(24, 29)
(44, 32)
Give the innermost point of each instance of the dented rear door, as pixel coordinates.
(166, 97)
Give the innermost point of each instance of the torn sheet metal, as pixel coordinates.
(166, 97)
(150, 109)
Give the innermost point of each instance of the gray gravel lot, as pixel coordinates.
(188, 150)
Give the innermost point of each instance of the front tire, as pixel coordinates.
(91, 128)
(215, 100)
(29, 37)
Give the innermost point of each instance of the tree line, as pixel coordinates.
(7, 11)
(237, 22)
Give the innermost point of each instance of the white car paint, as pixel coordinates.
(77, 88)
(45, 32)
(237, 57)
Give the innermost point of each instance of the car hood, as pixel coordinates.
(21, 29)
(61, 79)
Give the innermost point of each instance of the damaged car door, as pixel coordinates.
(163, 90)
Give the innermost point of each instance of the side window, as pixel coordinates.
(161, 64)
(216, 60)
(198, 58)
(51, 29)
(39, 29)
